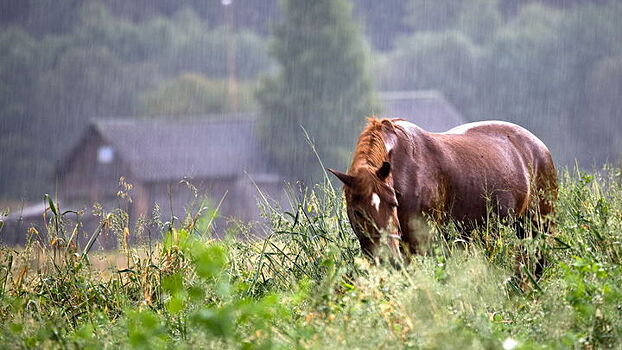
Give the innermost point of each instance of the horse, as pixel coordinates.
(401, 174)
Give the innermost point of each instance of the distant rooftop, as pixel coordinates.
(218, 146)
(427, 108)
(202, 147)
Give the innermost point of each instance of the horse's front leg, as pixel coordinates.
(416, 235)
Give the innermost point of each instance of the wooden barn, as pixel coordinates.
(219, 156)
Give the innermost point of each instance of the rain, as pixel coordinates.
(232, 96)
(310, 174)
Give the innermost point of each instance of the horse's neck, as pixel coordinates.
(414, 155)
(409, 139)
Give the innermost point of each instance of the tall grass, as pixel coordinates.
(304, 284)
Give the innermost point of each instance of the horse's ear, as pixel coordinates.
(384, 171)
(345, 178)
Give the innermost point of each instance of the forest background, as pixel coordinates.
(552, 66)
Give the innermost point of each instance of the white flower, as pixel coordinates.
(510, 343)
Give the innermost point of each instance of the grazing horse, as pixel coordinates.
(401, 173)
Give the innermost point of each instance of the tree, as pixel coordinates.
(525, 81)
(205, 52)
(480, 19)
(322, 85)
(56, 78)
(381, 26)
(447, 61)
(521, 66)
(603, 89)
(22, 165)
(432, 15)
(547, 69)
(192, 94)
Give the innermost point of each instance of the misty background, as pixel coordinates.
(552, 66)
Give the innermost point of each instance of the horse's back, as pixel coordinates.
(534, 151)
(480, 126)
(499, 129)
(504, 154)
(504, 133)
(542, 173)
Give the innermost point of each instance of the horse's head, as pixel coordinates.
(372, 207)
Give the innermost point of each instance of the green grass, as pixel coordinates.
(305, 284)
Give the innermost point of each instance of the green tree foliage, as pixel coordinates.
(18, 151)
(192, 94)
(543, 67)
(322, 85)
(129, 41)
(43, 17)
(517, 59)
(476, 18)
(379, 18)
(447, 61)
(207, 54)
(248, 15)
(56, 78)
(435, 15)
(60, 16)
(551, 65)
(603, 90)
(538, 69)
(480, 19)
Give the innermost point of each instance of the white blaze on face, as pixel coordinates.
(375, 201)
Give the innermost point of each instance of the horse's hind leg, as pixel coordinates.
(546, 210)
(533, 228)
(546, 192)
(542, 221)
(545, 222)
(520, 225)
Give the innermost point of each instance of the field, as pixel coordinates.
(305, 284)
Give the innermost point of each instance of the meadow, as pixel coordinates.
(304, 284)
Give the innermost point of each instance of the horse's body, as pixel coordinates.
(458, 174)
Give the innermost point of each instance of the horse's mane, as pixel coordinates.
(370, 148)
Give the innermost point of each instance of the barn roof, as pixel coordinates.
(426, 108)
(164, 149)
(160, 149)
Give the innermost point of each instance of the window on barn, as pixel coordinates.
(105, 154)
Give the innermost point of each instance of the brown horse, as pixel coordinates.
(401, 173)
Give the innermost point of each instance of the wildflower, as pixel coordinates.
(510, 343)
